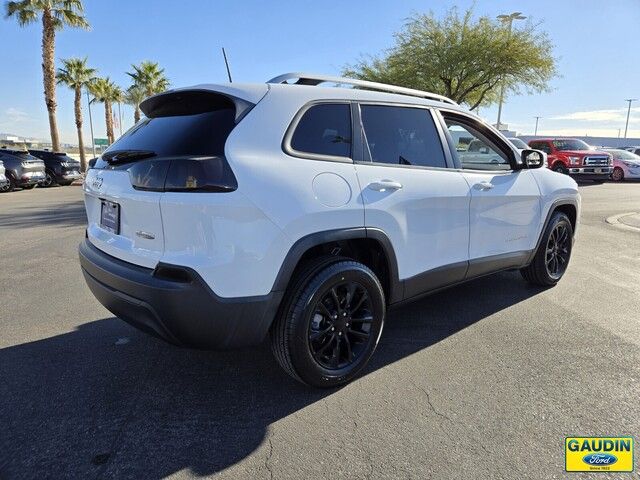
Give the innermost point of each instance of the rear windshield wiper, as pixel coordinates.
(121, 156)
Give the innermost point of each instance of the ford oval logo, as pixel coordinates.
(599, 459)
(97, 183)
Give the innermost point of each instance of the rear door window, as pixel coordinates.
(323, 130)
(401, 136)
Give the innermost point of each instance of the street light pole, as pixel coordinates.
(507, 20)
(93, 142)
(626, 127)
(537, 118)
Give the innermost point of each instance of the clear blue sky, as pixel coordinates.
(596, 43)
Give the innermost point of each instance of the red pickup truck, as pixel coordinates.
(574, 157)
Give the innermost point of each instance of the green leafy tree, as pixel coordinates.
(150, 77)
(75, 74)
(463, 59)
(54, 15)
(107, 92)
(134, 97)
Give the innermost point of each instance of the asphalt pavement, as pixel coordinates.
(480, 381)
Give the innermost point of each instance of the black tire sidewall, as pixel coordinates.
(557, 219)
(305, 365)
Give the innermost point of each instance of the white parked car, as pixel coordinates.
(232, 212)
(625, 164)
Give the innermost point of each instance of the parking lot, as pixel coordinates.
(481, 381)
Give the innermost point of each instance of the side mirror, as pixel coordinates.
(532, 158)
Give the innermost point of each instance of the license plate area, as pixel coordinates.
(110, 216)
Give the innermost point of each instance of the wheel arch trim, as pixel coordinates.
(302, 245)
(552, 209)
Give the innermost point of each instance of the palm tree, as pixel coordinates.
(150, 77)
(107, 92)
(75, 74)
(134, 96)
(54, 14)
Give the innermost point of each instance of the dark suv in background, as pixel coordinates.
(60, 169)
(21, 169)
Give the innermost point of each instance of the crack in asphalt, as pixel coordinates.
(267, 459)
(428, 397)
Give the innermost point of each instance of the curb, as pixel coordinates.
(616, 221)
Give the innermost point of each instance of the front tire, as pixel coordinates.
(560, 168)
(617, 175)
(554, 252)
(330, 326)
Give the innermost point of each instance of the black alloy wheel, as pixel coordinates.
(558, 251)
(552, 256)
(340, 327)
(330, 321)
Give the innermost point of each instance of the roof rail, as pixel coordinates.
(311, 79)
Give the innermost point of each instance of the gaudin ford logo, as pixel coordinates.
(97, 183)
(599, 454)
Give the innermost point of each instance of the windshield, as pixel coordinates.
(624, 155)
(570, 144)
(516, 142)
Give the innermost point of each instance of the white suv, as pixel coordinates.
(304, 212)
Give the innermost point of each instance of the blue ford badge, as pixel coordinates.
(599, 459)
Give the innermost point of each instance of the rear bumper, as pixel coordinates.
(175, 304)
(3, 180)
(29, 178)
(70, 175)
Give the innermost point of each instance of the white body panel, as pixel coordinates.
(139, 212)
(427, 220)
(504, 213)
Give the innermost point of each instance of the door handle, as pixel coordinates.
(483, 185)
(384, 185)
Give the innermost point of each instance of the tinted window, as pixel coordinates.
(324, 130)
(544, 146)
(475, 151)
(401, 136)
(179, 135)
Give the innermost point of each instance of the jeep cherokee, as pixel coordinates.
(303, 212)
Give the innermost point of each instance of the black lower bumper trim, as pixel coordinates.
(182, 310)
(590, 176)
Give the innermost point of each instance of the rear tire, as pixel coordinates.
(617, 175)
(330, 322)
(12, 183)
(554, 252)
(49, 179)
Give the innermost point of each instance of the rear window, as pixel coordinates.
(201, 134)
(324, 129)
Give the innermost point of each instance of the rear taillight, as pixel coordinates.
(204, 174)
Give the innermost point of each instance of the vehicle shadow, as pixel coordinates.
(107, 400)
(69, 214)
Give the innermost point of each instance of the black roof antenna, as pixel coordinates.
(226, 62)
